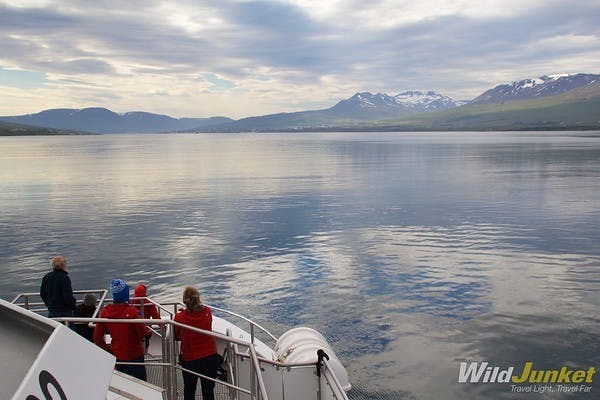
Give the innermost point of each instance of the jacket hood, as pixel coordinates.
(140, 291)
(200, 314)
(119, 311)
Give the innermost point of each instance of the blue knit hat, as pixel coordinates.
(119, 290)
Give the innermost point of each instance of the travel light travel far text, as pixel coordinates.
(549, 388)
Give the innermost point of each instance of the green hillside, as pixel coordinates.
(9, 129)
(572, 110)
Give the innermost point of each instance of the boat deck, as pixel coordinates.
(250, 363)
(155, 378)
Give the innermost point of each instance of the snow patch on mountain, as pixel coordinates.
(411, 99)
(365, 105)
(429, 100)
(546, 85)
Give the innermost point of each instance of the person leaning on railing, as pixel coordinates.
(85, 310)
(126, 344)
(145, 308)
(198, 351)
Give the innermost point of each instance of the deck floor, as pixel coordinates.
(155, 378)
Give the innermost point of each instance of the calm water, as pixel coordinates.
(410, 252)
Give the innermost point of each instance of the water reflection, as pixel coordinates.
(520, 306)
(409, 252)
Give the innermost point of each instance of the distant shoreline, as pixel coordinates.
(7, 129)
(416, 129)
(56, 132)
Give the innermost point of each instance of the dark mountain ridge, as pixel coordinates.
(102, 120)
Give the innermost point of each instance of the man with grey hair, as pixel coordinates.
(56, 290)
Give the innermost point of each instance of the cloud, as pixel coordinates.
(258, 57)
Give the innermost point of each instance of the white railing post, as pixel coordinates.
(256, 367)
(166, 371)
(174, 360)
(336, 387)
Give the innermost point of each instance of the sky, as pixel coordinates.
(202, 58)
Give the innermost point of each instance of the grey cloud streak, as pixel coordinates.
(447, 53)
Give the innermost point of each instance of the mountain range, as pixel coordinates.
(548, 102)
(102, 120)
(544, 86)
(376, 106)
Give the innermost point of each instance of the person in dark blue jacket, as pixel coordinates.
(56, 290)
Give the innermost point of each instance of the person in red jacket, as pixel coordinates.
(127, 339)
(145, 308)
(149, 310)
(198, 351)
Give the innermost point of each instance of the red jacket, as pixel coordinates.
(195, 345)
(150, 310)
(127, 339)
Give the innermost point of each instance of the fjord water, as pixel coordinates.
(410, 252)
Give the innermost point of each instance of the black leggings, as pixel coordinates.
(206, 366)
(138, 371)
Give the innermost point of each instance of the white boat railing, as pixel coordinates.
(238, 350)
(169, 356)
(333, 382)
(253, 327)
(24, 300)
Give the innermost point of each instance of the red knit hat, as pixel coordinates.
(140, 291)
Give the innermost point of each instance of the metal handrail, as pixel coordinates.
(103, 300)
(158, 305)
(253, 356)
(36, 294)
(329, 376)
(214, 380)
(168, 350)
(27, 304)
(257, 385)
(251, 323)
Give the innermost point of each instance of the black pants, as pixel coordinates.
(137, 371)
(206, 366)
(63, 313)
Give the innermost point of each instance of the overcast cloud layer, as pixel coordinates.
(201, 58)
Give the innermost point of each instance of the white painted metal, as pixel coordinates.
(300, 383)
(287, 373)
(66, 364)
(300, 345)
